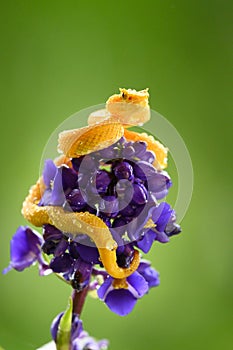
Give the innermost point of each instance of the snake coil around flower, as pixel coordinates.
(106, 127)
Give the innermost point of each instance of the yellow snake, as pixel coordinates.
(74, 143)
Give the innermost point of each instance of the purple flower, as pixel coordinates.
(85, 342)
(122, 300)
(161, 215)
(150, 274)
(52, 238)
(140, 148)
(145, 243)
(144, 170)
(159, 184)
(76, 330)
(59, 181)
(49, 172)
(164, 218)
(105, 183)
(74, 260)
(76, 199)
(80, 340)
(123, 170)
(87, 253)
(84, 163)
(121, 186)
(62, 264)
(25, 249)
(81, 275)
(140, 194)
(172, 228)
(57, 191)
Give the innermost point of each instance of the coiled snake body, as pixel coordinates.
(102, 132)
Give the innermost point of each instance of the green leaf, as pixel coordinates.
(64, 328)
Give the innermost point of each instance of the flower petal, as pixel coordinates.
(161, 215)
(138, 282)
(88, 254)
(150, 274)
(63, 263)
(49, 172)
(104, 288)
(146, 242)
(120, 301)
(25, 248)
(58, 195)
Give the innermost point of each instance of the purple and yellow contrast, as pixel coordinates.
(101, 205)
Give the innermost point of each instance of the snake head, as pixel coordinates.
(130, 96)
(129, 108)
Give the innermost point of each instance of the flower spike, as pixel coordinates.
(99, 206)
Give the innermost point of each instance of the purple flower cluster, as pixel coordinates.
(121, 186)
(115, 183)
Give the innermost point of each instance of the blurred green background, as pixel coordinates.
(58, 57)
